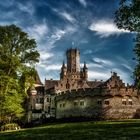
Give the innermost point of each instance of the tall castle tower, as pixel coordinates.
(73, 60)
(72, 70)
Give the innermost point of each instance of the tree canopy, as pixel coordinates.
(18, 55)
(128, 17)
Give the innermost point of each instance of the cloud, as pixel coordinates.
(38, 31)
(102, 61)
(105, 28)
(54, 67)
(28, 7)
(98, 75)
(53, 38)
(83, 2)
(94, 65)
(58, 34)
(7, 3)
(67, 16)
(45, 55)
(87, 52)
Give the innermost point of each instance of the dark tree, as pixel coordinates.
(128, 17)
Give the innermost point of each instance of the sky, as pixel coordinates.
(88, 25)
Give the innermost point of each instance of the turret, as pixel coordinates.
(85, 72)
(63, 71)
(32, 97)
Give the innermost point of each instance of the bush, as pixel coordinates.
(10, 126)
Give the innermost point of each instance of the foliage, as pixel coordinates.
(123, 130)
(11, 126)
(18, 55)
(128, 17)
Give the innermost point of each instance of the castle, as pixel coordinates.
(74, 96)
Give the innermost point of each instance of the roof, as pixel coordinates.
(37, 80)
(50, 83)
(93, 84)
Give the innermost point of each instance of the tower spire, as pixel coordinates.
(85, 66)
(63, 65)
(85, 71)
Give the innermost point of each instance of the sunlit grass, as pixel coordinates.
(120, 130)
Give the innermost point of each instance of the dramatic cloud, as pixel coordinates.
(67, 16)
(53, 67)
(88, 52)
(38, 31)
(88, 23)
(83, 2)
(99, 75)
(50, 67)
(102, 61)
(45, 55)
(26, 8)
(105, 28)
(58, 34)
(7, 3)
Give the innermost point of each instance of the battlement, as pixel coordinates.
(99, 91)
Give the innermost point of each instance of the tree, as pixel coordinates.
(18, 55)
(128, 17)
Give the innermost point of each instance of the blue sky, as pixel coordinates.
(86, 24)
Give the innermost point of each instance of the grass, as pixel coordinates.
(121, 130)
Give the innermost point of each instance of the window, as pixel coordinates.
(124, 101)
(106, 102)
(130, 102)
(75, 103)
(47, 99)
(99, 102)
(67, 86)
(81, 103)
(64, 104)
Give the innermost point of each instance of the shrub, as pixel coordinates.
(10, 126)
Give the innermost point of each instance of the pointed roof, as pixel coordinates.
(85, 67)
(37, 80)
(63, 65)
(114, 81)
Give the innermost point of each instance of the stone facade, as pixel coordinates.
(74, 96)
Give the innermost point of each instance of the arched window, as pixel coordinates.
(67, 86)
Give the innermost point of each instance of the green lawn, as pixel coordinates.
(125, 130)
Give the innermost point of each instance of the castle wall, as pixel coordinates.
(99, 107)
